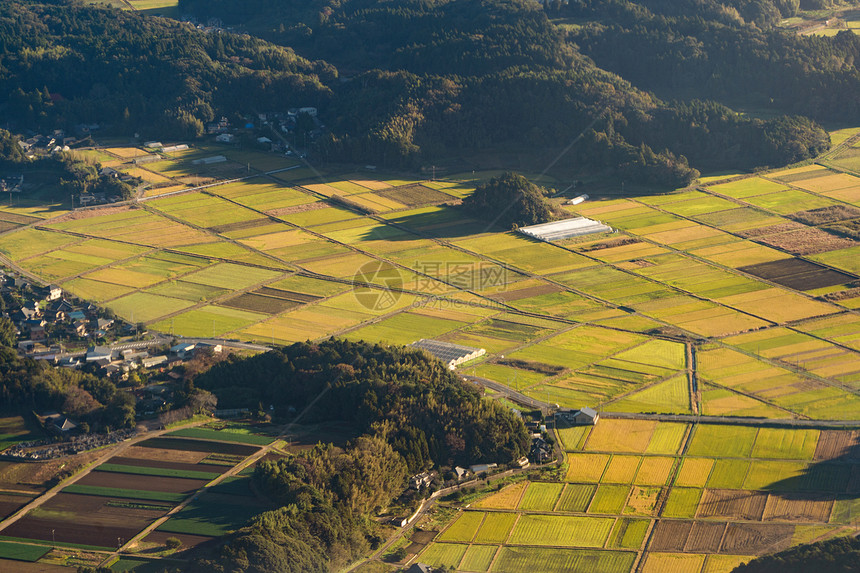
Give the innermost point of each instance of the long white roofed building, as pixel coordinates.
(564, 229)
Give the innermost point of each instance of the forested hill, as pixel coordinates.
(728, 50)
(62, 63)
(422, 81)
(443, 76)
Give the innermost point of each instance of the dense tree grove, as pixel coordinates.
(509, 199)
(411, 414)
(423, 81)
(839, 555)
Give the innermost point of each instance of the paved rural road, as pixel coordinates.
(110, 452)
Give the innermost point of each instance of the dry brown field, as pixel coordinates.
(798, 507)
(729, 503)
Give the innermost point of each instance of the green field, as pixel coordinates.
(513, 559)
(559, 530)
(205, 516)
(464, 528)
(495, 528)
(125, 493)
(224, 436)
(576, 497)
(541, 496)
(163, 472)
(21, 552)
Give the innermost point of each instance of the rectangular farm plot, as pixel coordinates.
(798, 507)
(95, 290)
(628, 436)
(628, 534)
(541, 496)
(563, 560)
(682, 502)
(722, 441)
(561, 531)
(734, 504)
(785, 444)
(786, 201)
(673, 563)
(496, 527)
(670, 535)
(575, 498)
(478, 557)
(464, 528)
(621, 469)
(209, 321)
(145, 307)
(667, 438)
(694, 472)
(231, 276)
(609, 499)
(22, 552)
(213, 514)
(654, 471)
(508, 498)
(756, 538)
(444, 554)
(728, 474)
(586, 468)
(775, 475)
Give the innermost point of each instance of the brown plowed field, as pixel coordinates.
(100, 535)
(730, 503)
(798, 274)
(756, 538)
(167, 465)
(182, 456)
(145, 483)
(705, 537)
(798, 507)
(10, 503)
(192, 445)
(84, 519)
(670, 536)
(286, 294)
(259, 303)
(188, 541)
(525, 293)
(834, 444)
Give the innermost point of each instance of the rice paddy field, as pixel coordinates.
(641, 495)
(734, 297)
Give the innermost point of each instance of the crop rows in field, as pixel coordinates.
(128, 492)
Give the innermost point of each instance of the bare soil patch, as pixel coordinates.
(238, 226)
(193, 445)
(833, 444)
(730, 503)
(770, 230)
(417, 194)
(166, 465)
(670, 535)
(286, 294)
(9, 504)
(539, 367)
(145, 483)
(797, 507)
(757, 538)
(826, 214)
(525, 293)
(842, 294)
(807, 241)
(705, 537)
(89, 213)
(296, 209)
(259, 303)
(798, 274)
(182, 456)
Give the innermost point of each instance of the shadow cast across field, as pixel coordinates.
(826, 490)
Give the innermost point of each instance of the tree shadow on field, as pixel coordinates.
(828, 490)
